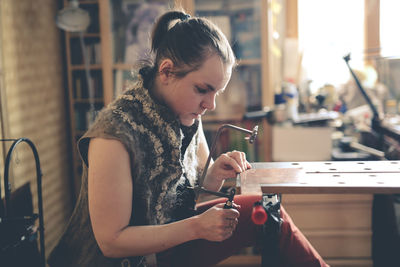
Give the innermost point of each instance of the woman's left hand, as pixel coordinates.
(228, 165)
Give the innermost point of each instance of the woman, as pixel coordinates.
(144, 153)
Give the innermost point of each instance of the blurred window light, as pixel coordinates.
(389, 24)
(328, 30)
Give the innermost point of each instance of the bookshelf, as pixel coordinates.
(117, 36)
(242, 19)
(81, 101)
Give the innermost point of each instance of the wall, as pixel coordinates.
(32, 85)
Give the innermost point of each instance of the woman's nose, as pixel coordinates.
(209, 102)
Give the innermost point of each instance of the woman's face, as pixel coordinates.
(191, 96)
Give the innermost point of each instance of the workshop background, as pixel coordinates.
(291, 80)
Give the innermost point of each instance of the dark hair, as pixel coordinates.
(188, 42)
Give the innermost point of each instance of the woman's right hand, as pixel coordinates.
(217, 223)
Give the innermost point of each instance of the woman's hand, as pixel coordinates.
(226, 166)
(217, 223)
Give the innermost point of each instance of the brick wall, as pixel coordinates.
(34, 104)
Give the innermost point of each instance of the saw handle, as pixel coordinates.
(229, 202)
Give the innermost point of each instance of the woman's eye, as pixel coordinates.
(201, 90)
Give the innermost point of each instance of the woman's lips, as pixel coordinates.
(198, 114)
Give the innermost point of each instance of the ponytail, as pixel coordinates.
(188, 42)
(162, 26)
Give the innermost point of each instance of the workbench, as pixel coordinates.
(330, 201)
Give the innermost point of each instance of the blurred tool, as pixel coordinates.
(377, 124)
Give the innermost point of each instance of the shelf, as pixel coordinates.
(88, 2)
(82, 67)
(249, 62)
(78, 93)
(85, 35)
(87, 101)
(123, 66)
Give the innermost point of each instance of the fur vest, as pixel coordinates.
(161, 170)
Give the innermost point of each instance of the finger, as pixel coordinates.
(220, 205)
(228, 223)
(248, 165)
(244, 161)
(227, 213)
(239, 157)
(228, 228)
(228, 174)
(231, 162)
(232, 222)
(231, 214)
(228, 234)
(236, 206)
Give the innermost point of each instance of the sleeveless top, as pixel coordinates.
(163, 163)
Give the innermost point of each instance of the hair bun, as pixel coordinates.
(146, 71)
(185, 17)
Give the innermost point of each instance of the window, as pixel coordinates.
(328, 30)
(389, 24)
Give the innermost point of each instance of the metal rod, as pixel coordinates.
(369, 150)
(215, 193)
(364, 93)
(376, 122)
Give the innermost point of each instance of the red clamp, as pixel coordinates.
(259, 215)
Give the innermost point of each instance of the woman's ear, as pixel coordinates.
(165, 70)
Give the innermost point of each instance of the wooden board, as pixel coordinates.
(323, 177)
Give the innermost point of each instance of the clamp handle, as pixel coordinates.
(259, 215)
